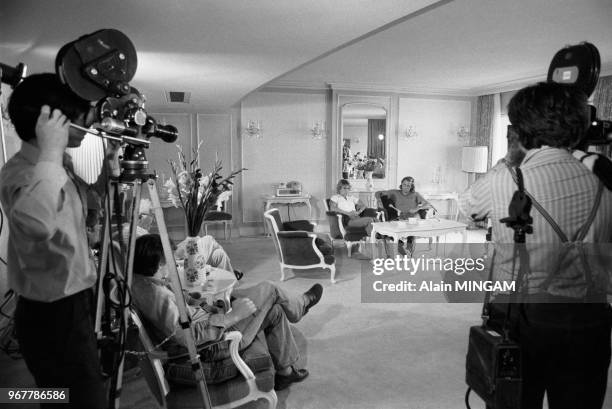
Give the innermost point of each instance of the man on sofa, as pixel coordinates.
(263, 307)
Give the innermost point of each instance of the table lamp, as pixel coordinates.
(474, 160)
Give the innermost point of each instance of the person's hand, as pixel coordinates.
(111, 155)
(354, 213)
(112, 148)
(241, 308)
(52, 134)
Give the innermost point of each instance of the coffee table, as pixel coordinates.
(398, 230)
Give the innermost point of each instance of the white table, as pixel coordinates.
(423, 228)
(218, 286)
(451, 199)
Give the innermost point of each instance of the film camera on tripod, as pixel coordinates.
(98, 67)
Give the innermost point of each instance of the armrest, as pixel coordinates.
(292, 234)
(234, 337)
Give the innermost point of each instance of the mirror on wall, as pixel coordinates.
(364, 141)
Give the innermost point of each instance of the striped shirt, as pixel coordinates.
(566, 189)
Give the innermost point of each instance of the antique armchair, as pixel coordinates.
(392, 213)
(243, 377)
(339, 230)
(300, 249)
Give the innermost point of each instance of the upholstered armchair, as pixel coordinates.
(300, 249)
(339, 230)
(242, 377)
(390, 211)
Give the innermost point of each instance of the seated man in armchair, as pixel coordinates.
(356, 212)
(405, 200)
(263, 307)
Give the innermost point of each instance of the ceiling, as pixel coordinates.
(220, 51)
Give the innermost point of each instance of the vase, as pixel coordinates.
(360, 174)
(194, 261)
(369, 181)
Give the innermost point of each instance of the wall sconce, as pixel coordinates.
(318, 130)
(381, 137)
(253, 129)
(411, 132)
(463, 133)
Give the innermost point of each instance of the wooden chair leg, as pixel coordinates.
(332, 270)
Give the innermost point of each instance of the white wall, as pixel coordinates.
(433, 157)
(286, 152)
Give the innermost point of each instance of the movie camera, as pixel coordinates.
(579, 65)
(98, 67)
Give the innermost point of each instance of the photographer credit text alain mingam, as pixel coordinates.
(412, 266)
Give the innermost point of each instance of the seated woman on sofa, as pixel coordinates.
(350, 205)
(405, 199)
(262, 307)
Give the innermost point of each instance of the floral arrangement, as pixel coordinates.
(195, 192)
(367, 165)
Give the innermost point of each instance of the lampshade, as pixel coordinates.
(474, 159)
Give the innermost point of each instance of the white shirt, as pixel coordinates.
(347, 204)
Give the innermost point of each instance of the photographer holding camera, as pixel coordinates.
(49, 262)
(564, 339)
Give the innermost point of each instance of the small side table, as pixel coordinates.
(219, 286)
(269, 200)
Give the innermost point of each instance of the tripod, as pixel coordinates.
(106, 334)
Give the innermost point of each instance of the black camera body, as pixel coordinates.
(98, 67)
(579, 65)
(493, 368)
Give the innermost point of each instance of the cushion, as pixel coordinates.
(329, 259)
(324, 246)
(218, 365)
(215, 215)
(298, 225)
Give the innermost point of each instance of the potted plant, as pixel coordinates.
(195, 193)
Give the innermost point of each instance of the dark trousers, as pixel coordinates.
(569, 362)
(58, 344)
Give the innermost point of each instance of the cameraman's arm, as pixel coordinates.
(475, 202)
(110, 167)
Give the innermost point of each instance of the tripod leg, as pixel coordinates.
(184, 319)
(103, 263)
(125, 312)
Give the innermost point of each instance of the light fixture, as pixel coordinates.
(474, 160)
(463, 132)
(411, 132)
(381, 137)
(318, 130)
(253, 129)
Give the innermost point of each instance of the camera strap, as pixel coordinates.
(577, 238)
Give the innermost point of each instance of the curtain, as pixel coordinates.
(483, 126)
(376, 147)
(602, 100)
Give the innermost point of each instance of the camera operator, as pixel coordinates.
(565, 342)
(49, 262)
